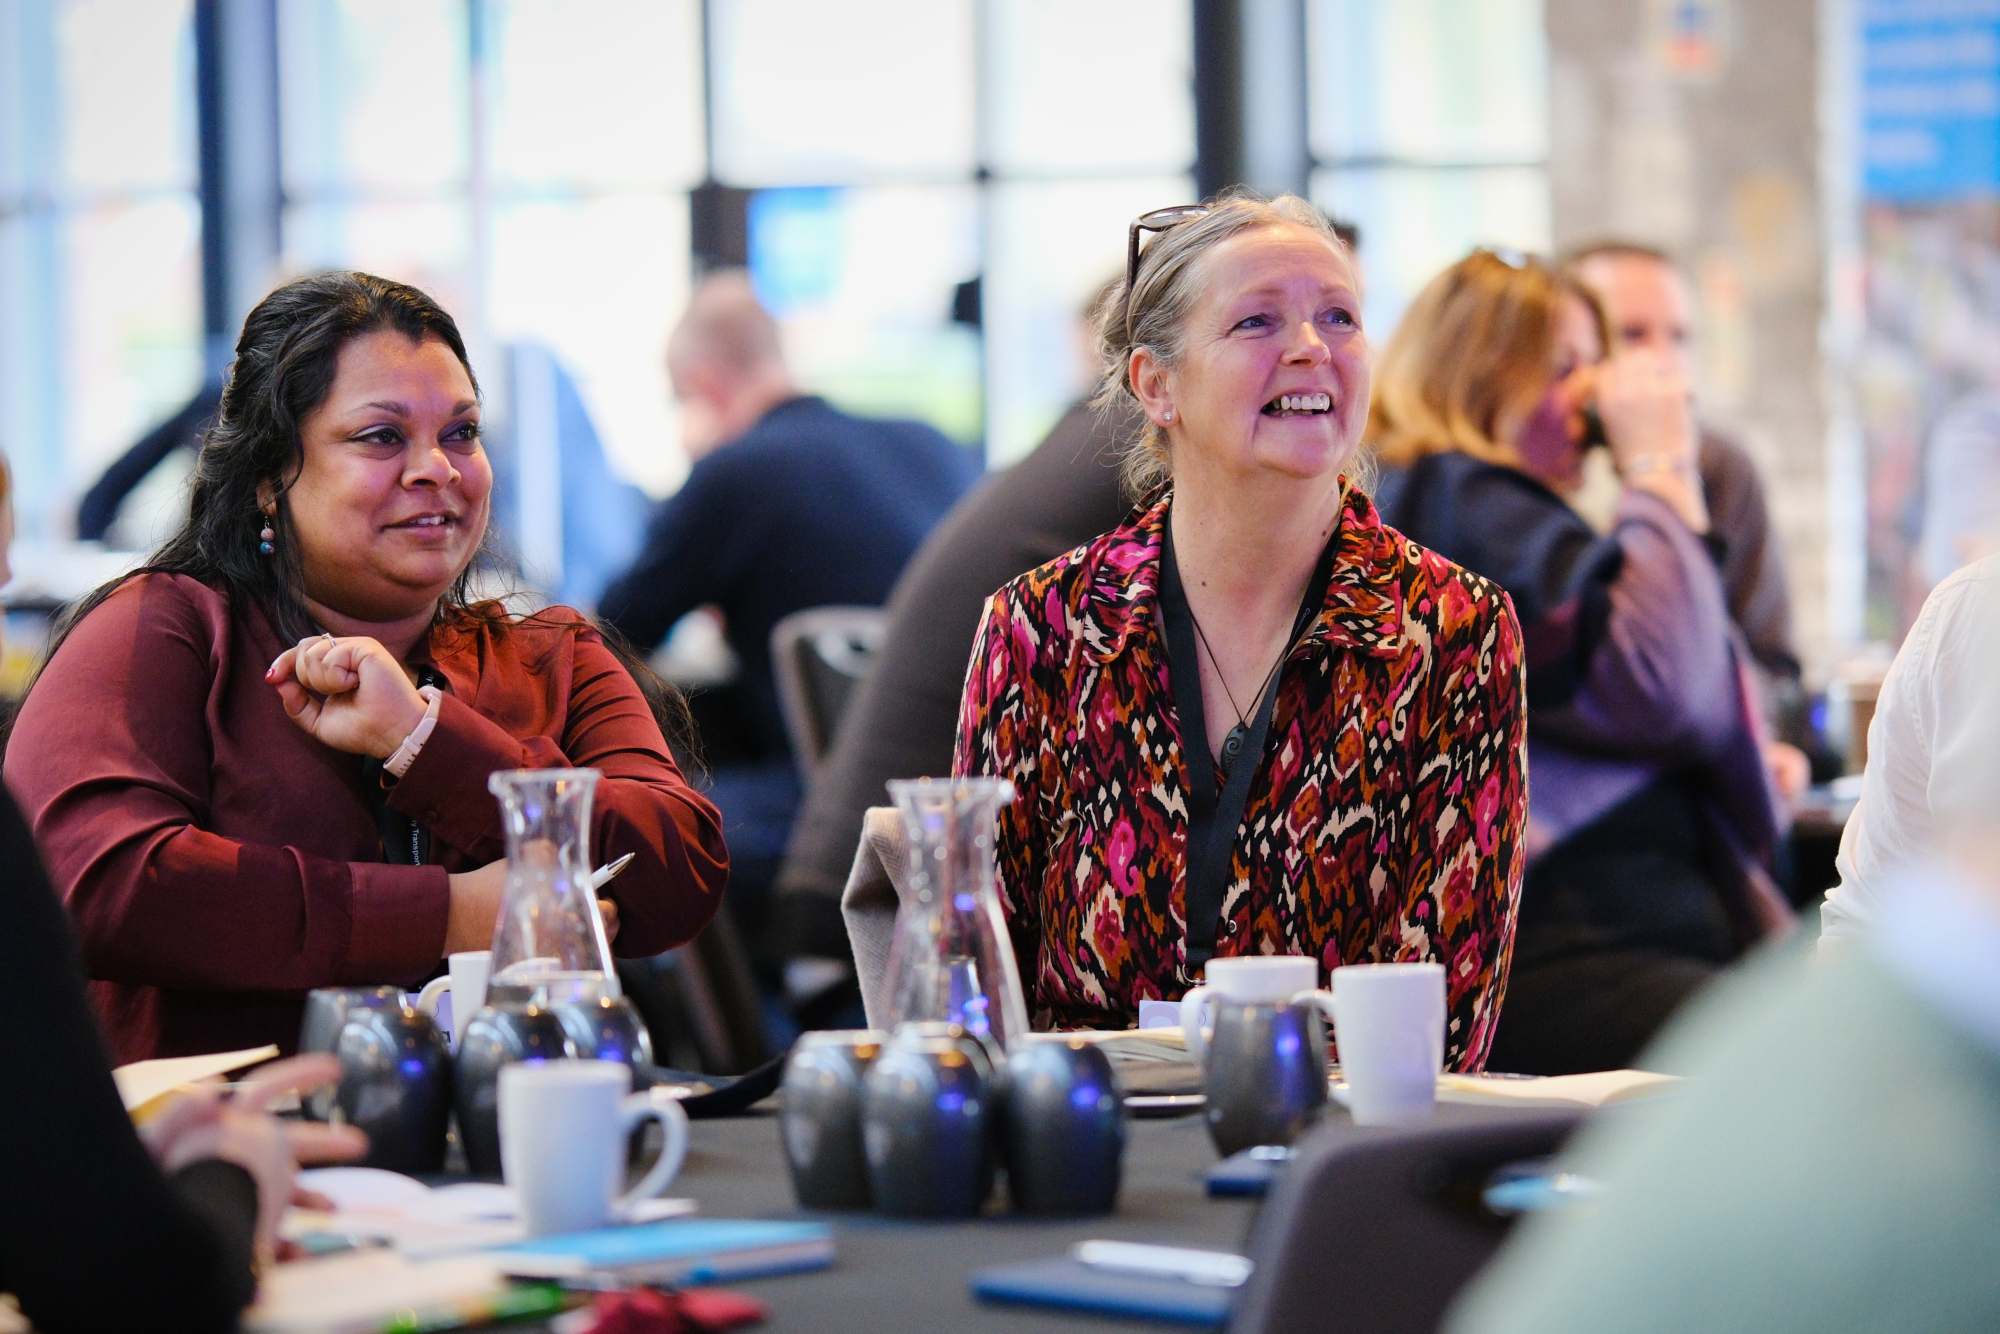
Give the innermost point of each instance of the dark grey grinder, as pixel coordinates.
(327, 1011)
(1265, 1073)
(926, 1113)
(395, 1084)
(820, 1120)
(1064, 1129)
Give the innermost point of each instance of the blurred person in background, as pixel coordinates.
(903, 718)
(1833, 1162)
(1373, 810)
(1652, 822)
(1933, 731)
(103, 1227)
(258, 763)
(1961, 510)
(790, 504)
(1649, 308)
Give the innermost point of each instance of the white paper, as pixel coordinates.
(423, 1222)
(360, 1291)
(142, 1081)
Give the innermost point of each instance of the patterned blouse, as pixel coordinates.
(1384, 821)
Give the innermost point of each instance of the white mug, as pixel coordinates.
(1269, 979)
(1388, 1021)
(465, 983)
(564, 1126)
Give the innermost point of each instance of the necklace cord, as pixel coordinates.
(1213, 818)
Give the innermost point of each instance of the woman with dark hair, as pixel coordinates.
(1650, 820)
(258, 765)
(1251, 719)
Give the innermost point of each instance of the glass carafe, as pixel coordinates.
(952, 959)
(553, 992)
(549, 941)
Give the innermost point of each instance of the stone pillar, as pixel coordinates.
(1692, 125)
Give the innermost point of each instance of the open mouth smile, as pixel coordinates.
(1299, 405)
(427, 523)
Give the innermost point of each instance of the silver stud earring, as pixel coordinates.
(1168, 414)
(266, 540)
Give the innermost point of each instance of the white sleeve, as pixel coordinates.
(1931, 703)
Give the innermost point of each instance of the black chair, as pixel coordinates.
(700, 1004)
(819, 657)
(1375, 1231)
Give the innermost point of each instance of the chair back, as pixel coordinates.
(1375, 1231)
(819, 656)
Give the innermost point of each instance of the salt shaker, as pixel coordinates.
(821, 1118)
(1064, 1127)
(926, 1114)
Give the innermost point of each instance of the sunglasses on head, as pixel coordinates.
(1159, 220)
(1508, 255)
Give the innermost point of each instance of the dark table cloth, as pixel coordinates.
(905, 1274)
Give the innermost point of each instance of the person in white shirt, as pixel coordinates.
(1832, 1164)
(1930, 748)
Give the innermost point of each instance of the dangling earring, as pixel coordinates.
(267, 539)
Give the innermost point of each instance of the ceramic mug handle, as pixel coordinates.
(1191, 1004)
(1321, 1001)
(653, 1105)
(427, 999)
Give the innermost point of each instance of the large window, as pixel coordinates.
(100, 298)
(527, 161)
(1429, 128)
(936, 142)
(936, 187)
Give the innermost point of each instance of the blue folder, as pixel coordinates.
(678, 1251)
(1073, 1286)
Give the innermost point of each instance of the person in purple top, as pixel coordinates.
(1652, 821)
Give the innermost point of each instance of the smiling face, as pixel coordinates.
(1273, 375)
(391, 499)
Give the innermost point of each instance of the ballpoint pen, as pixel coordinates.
(605, 874)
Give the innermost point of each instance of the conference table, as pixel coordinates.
(892, 1274)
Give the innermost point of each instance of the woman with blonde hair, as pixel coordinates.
(1651, 823)
(1251, 719)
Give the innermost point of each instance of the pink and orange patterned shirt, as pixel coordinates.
(1384, 821)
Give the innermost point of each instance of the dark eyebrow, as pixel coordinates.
(403, 409)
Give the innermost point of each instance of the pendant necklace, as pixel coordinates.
(1232, 743)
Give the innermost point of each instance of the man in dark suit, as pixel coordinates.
(790, 504)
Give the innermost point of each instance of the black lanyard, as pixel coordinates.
(404, 841)
(1213, 821)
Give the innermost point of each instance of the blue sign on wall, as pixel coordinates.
(795, 246)
(1930, 87)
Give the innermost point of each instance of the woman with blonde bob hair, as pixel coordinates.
(1651, 823)
(1251, 719)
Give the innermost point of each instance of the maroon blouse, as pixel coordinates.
(219, 863)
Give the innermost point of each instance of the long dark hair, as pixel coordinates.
(285, 364)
